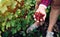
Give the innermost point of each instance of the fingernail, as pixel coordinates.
(34, 16)
(40, 19)
(35, 19)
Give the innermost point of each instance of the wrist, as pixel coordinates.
(42, 6)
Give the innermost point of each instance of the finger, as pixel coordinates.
(34, 16)
(36, 6)
(37, 21)
(44, 17)
(28, 30)
(34, 19)
(41, 19)
(38, 10)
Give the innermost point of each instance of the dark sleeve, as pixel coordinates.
(46, 2)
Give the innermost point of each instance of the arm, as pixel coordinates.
(41, 8)
(42, 2)
(46, 2)
(40, 11)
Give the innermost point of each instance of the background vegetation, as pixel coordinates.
(16, 16)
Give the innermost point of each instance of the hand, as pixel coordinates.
(40, 14)
(32, 27)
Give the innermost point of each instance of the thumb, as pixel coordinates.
(44, 17)
(36, 7)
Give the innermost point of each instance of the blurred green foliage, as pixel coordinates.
(15, 15)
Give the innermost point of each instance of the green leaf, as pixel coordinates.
(3, 29)
(10, 16)
(3, 9)
(13, 31)
(19, 0)
(8, 25)
(4, 23)
(12, 23)
(18, 28)
(13, 4)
